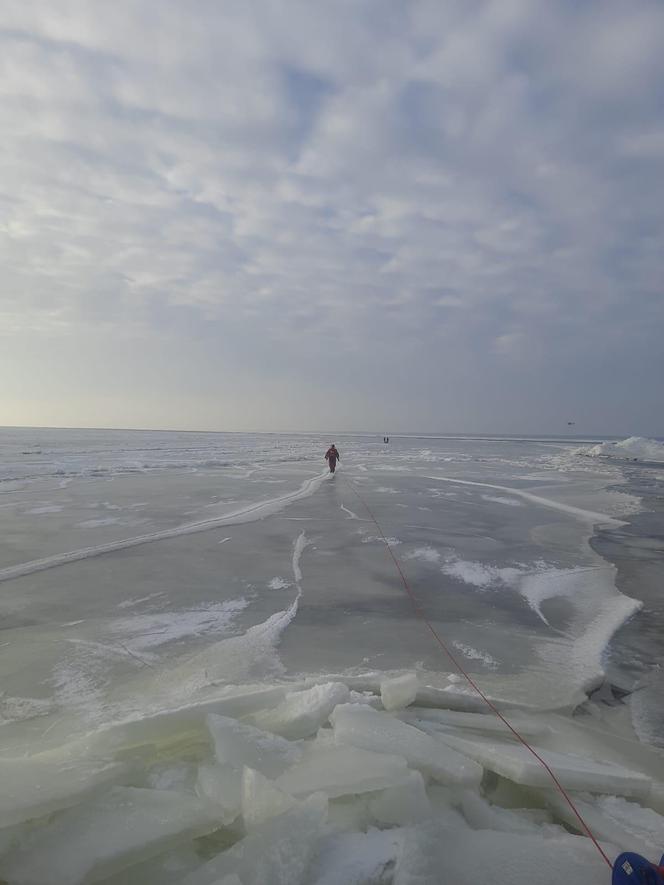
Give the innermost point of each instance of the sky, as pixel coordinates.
(360, 214)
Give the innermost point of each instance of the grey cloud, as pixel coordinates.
(426, 190)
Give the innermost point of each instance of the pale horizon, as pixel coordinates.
(285, 431)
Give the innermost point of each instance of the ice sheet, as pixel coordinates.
(100, 837)
(404, 805)
(515, 762)
(342, 771)
(360, 726)
(222, 785)
(482, 815)
(277, 852)
(261, 799)
(486, 723)
(238, 517)
(125, 662)
(37, 785)
(471, 856)
(627, 825)
(238, 744)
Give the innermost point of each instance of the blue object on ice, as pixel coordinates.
(632, 869)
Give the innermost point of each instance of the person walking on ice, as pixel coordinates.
(332, 456)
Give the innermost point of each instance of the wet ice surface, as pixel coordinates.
(151, 583)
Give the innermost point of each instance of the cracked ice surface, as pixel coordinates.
(173, 712)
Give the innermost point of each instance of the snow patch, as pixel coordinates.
(425, 554)
(474, 655)
(511, 502)
(278, 584)
(97, 523)
(142, 632)
(391, 542)
(47, 508)
(480, 575)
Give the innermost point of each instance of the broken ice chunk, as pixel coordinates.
(237, 744)
(277, 852)
(488, 723)
(340, 771)
(221, 784)
(453, 697)
(153, 734)
(467, 857)
(628, 826)
(368, 698)
(101, 837)
(399, 692)
(172, 777)
(515, 762)
(481, 815)
(33, 786)
(169, 868)
(301, 713)
(404, 805)
(261, 799)
(367, 729)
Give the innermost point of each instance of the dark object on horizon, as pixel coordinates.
(332, 456)
(569, 423)
(386, 439)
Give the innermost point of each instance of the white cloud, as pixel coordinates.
(417, 190)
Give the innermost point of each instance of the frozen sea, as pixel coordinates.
(145, 572)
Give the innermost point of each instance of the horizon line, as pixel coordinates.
(327, 431)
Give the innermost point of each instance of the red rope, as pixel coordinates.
(419, 610)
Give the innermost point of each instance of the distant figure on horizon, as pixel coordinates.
(332, 456)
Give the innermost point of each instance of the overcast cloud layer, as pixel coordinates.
(355, 214)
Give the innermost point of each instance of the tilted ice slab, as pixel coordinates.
(222, 785)
(454, 696)
(301, 713)
(151, 733)
(487, 723)
(360, 726)
(481, 815)
(343, 771)
(277, 852)
(403, 805)
(162, 733)
(627, 825)
(434, 853)
(101, 837)
(237, 745)
(33, 786)
(516, 763)
(262, 799)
